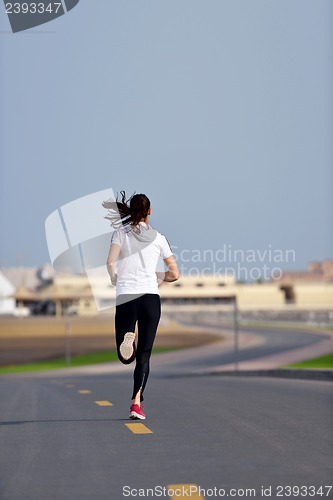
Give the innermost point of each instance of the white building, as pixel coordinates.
(7, 303)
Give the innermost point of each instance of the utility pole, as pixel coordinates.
(236, 333)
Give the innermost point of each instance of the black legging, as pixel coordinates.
(146, 310)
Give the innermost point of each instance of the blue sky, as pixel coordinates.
(220, 111)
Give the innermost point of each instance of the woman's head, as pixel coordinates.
(131, 211)
(140, 208)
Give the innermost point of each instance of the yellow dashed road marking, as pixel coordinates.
(84, 391)
(103, 403)
(69, 385)
(139, 429)
(185, 491)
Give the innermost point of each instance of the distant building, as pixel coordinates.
(90, 293)
(317, 272)
(21, 276)
(7, 289)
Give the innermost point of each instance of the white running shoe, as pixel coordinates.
(127, 346)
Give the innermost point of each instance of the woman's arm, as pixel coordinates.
(111, 262)
(172, 273)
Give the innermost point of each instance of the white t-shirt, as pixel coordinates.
(136, 272)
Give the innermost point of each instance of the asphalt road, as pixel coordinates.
(274, 341)
(228, 433)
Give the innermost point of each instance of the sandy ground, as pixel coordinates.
(40, 337)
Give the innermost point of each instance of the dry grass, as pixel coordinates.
(41, 338)
(35, 326)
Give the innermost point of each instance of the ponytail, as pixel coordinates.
(124, 212)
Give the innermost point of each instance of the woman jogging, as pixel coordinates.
(134, 253)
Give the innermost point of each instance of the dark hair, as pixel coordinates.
(124, 212)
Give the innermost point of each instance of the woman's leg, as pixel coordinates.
(125, 321)
(149, 313)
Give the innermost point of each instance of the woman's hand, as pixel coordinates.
(172, 273)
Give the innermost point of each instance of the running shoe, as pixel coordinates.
(127, 346)
(136, 412)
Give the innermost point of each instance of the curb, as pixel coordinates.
(293, 373)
